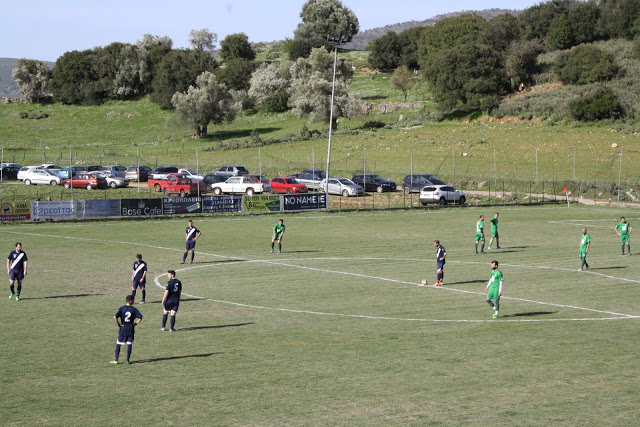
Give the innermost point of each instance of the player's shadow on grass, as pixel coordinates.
(162, 359)
(530, 314)
(608, 268)
(66, 296)
(195, 328)
(221, 261)
(466, 282)
(181, 300)
(298, 252)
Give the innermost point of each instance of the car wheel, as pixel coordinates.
(217, 191)
(27, 181)
(66, 185)
(53, 182)
(288, 190)
(462, 200)
(345, 193)
(379, 189)
(182, 193)
(112, 184)
(442, 201)
(157, 187)
(407, 190)
(249, 191)
(89, 187)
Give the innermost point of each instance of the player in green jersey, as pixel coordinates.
(494, 231)
(585, 243)
(623, 228)
(278, 231)
(480, 234)
(495, 288)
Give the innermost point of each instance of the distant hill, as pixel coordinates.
(360, 40)
(8, 87)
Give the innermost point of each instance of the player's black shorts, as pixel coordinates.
(137, 283)
(16, 275)
(190, 245)
(171, 305)
(440, 265)
(125, 336)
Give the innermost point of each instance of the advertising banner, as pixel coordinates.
(140, 207)
(180, 205)
(261, 203)
(15, 211)
(215, 204)
(304, 202)
(97, 208)
(58, 209)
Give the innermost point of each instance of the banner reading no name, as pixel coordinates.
(304, 202)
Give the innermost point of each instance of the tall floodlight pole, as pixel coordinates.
(338, 41)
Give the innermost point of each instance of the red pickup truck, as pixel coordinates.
(177, 184)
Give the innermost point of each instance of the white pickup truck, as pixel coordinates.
(238, 184)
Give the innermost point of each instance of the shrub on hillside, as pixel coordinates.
(586, 64)
(604, 104)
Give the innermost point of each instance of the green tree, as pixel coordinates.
(401, 80)
(270, 85)
(321, 18)
(236, 46)
(620, 18)
(72, 77)
(32, 78)
(301, 48)
(177, 71)
(501, 31)
(469, 77)
(311, 82)
(133, 76)
(408, 40)
(207, 102)
(448, 33)
(522, 61)
(203, 40)
(583, 19)
(236, 73)
(536, 20)
(585, 64)
(385, 52)
(603, 104)
(560, 35)
(156, 48)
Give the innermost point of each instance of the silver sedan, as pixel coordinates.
(341, 186)
(113, 181)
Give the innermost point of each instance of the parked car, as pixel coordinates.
(238, 184)
(263, 179)
(190, 173)
(117, 170)
(213, 178)
(233, 170)
(112, 180)
(64, 171)
(162, 172)
(51, 167)
(93, 168)
(342, 186)
(24, 169)
(10, 164)
(41, 176)
(137, 174)
(286, 184)
(373, 182)
(85, 180)
(10, 172)
(414, 183)
(441, 194)
(311, 178)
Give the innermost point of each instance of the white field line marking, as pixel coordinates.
(625, 316)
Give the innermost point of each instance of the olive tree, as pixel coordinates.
(321, 18)
(207, 102)
(32, 78)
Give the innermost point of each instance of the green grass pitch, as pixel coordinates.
(333, 331)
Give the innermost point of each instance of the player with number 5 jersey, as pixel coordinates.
(171, 300)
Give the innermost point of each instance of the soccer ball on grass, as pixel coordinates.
(425, 282)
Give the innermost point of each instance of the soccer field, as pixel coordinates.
(335, 330)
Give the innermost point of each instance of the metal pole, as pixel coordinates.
(198, 171)
(453, 160)
(536, 166)
(364, 175)
(260, 159)
(71, 175)
(1, 161)
(620, 176)
(411, 181)
(333, 90)
(574, 164)
(138, 166)
(495, 169)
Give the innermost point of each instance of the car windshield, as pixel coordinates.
(346, 181)
(376, 178)
(242, 169)
(290, 181)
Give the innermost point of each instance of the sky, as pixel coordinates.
(46, 29)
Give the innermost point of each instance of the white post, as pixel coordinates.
(536, 166)
(71, 175)
(198, 171)
(333, 90)
(260, 160)
(574, 164)
(495, 170)
(138, 167)
(620, 177)
(1, 161)
(453, 161)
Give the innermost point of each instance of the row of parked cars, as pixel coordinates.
(234, 179)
